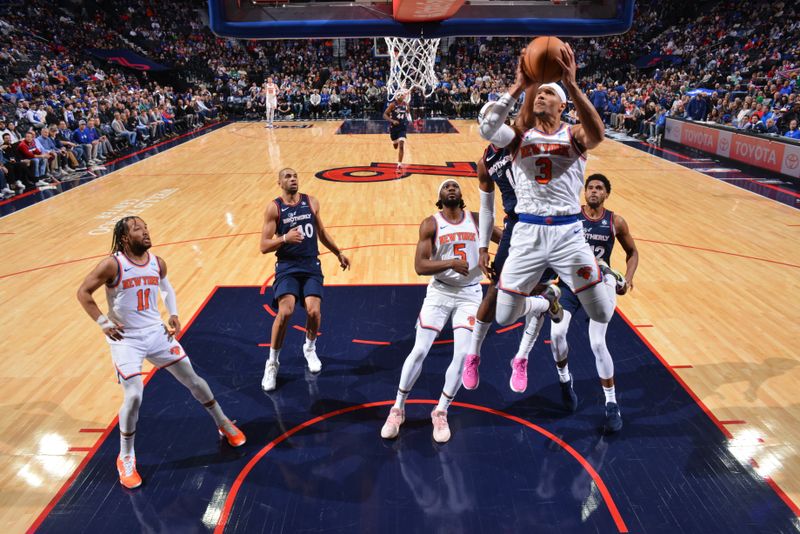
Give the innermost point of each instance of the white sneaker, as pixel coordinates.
(314, 365)
(441, 430)
(42, 183)
(392, 425)
(270, 376)
(8, 191)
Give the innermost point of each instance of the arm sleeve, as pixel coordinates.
(486, 219)
(168, 296)
(493, 127)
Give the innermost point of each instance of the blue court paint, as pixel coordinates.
(669, 470)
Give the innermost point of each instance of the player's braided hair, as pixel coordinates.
(120, 231)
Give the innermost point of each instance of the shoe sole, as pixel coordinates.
(442, 440)
(129, 487)
(478, 383)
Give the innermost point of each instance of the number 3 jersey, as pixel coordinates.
(132, 297)
(548, 173)
(457, 241)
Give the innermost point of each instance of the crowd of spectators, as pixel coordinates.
(728, 62)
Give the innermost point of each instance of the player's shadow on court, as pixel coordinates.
(754, 374)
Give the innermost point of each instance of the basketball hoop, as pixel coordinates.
(412, 65)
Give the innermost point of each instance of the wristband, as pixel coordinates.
(105, 322)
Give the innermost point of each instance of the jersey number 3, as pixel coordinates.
(544, 170)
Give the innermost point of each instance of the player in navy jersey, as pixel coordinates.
(397, 114)
(291, 225)
(602, 228)
(495, 169)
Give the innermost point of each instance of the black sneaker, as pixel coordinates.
(568, 396)
(613, 421)
(616, 275)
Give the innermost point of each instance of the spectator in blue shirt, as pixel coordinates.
(793, 132)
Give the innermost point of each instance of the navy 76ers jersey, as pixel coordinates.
(399, 113)
(498, 164)
(300, 216)
(600, 234)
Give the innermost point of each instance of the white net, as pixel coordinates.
(412, 65)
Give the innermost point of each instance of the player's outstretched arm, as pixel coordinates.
(326, 238)
(423, 264)
(492, 126)
(590, 132)
(105, 272)
(629, 246)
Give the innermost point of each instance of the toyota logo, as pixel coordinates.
(792, 161)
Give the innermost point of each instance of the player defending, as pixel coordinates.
(398, 115)
(271, 100)
(548, 168)
(602, 228)
(291, 225)
(134, 331)
(448, 250)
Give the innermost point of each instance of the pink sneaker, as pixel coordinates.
(392, 425)
(441, 430)
(519, 375)
(471, 377)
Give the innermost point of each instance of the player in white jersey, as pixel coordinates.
(134, 331)
(548, 167)
(448, 250)
(271, 99)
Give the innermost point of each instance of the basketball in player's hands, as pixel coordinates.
(538, 61)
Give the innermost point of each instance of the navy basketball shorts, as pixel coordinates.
(397, 134)
(301, 283)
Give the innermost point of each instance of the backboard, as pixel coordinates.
(292, 19)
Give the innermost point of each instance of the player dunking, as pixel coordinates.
(495, 168)
(548, 168)
(292, 223)
(448, 250)
(397, 114)
(134, 331)
(602, 228)
(271, 99)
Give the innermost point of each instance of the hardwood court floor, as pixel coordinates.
(716, 292)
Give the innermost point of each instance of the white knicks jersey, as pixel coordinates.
(548, 173)
(457, 241)
(132, 299)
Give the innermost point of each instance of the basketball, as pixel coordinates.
(539, 62)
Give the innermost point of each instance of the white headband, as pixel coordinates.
(557, 88)
(441, 185)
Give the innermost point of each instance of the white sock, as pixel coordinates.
(444, 402)
(479, 332)
(310, 345)
(563, 373)
(274, 354)
(610, 393)
(533, 324)
(400, 400)
(216, 412)
(126, 444)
